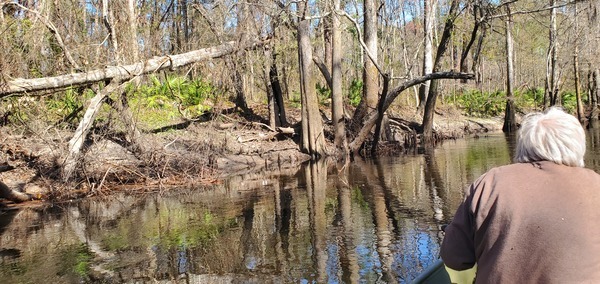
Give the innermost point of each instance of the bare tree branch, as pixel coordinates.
(362, 42)
(523, 12)
(52, 29)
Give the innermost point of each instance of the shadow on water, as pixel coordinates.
(369, 221)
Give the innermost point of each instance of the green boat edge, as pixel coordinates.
(438, 273)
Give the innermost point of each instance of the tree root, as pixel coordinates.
(13, 195)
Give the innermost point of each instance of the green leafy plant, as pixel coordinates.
(324, 93)
(476, 103)
(530, 98)
(569, 101)
(295, 100)
(172, 97)
(355, 92)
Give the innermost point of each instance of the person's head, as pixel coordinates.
(553, 135)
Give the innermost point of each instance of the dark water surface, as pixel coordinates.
(375, 221)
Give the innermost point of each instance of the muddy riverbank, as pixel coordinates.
(189, 153)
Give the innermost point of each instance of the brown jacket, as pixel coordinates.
(528, 223)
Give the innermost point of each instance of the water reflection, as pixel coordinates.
(370, 221)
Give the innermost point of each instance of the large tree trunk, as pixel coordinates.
(509, 115)
(313, 142)
(125, 72)
(429, 17)
(551, 87)
(337, 96)
(107, 17)
(132, 29)
(370, 72)
(237, 67)
(433, 88)
(276, 107)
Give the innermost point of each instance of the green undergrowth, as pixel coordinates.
(479, 104)
(164, 101)
(160, 102)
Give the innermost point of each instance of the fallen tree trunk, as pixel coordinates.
(73, 158)
(124, 72)
(371, 118)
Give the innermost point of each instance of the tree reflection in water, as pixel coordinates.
(366, 222)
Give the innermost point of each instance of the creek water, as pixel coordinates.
(372, 221)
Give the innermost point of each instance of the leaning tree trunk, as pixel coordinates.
(433, 88)
(467, 45)
(75, 144)
(313, 142)
(509, 115)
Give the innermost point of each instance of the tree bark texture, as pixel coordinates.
(509, 114)
(429, 19)
(276, 106)
(551, 88)
(124, 72)
(370, 72)
(337, 96)
(107, 18)
(313, 141)
(132, 29)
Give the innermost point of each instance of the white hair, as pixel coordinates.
(553, 135)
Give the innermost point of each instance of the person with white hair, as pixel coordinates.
(536, 220)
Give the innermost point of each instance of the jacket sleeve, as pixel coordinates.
(458, 247)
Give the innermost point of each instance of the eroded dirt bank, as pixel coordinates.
(199, 153)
